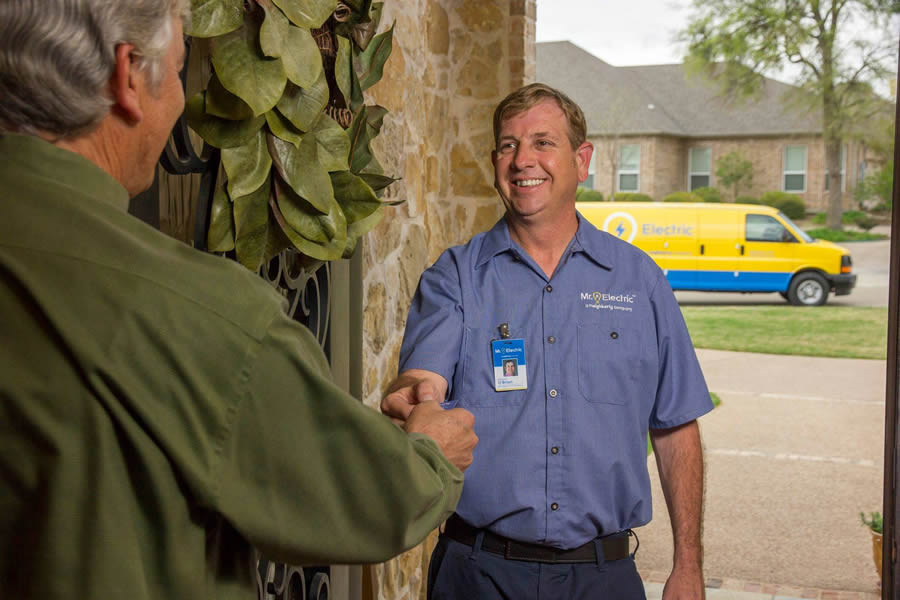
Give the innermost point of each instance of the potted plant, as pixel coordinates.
(875, 523)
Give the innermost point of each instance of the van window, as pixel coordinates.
(763, 228)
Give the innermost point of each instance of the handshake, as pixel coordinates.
(413, 403)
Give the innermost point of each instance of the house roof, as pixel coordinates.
(664, 100)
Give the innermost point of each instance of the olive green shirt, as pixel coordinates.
(160, 416)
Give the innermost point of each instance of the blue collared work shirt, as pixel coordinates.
(608, 355)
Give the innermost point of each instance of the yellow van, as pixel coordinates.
(729, 248)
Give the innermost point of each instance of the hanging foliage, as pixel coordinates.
(285, 105)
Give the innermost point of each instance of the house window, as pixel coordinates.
(843, 162)
(592, 170)
(699, 161)
(629, 168)
(795, 168)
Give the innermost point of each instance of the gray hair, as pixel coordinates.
(56, 58)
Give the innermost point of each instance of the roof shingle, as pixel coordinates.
(664, 100)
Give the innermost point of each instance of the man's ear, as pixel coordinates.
(124, 84)
(583, 160)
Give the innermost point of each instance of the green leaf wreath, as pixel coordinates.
(285, 106)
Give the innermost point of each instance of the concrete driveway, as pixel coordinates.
(793, 455)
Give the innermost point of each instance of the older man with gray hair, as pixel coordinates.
(160, 417)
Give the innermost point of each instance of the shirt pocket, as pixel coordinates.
(609, 362)
(476, 384)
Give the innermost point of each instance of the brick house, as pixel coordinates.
(656, 130)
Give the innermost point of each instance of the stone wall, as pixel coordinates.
(452, 62)
(664, 165)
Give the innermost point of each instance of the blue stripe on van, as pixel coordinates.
(727, 281)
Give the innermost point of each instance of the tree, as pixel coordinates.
(733, 170)
(736, 41)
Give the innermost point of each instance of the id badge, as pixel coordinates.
(510, 371)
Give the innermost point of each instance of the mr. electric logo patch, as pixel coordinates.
(608, 301)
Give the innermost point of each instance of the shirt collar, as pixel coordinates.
(67, 169)
(587, 239)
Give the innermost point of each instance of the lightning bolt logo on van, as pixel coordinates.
(620, 224)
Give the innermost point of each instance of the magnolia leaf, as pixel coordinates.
(302, 106)
(334, 145)
(210, 18)
(247, 166)
(306, 220)
(251, 221)
(329, 251)
(222, 103)
(356, 198)
(220, 237)
(301, 57)
(300, 168)
(276, 240)
(245, 71)
(373, 168)
(218, 132)
(360, 228)
(377, 181)
(307, 13)
(359, 135)
(343, 64)
(365, 126)
(371, 62)
(362, 24)
(283, 128)
(272, 31)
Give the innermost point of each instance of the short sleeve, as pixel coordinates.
(435, 324)
(682, 395)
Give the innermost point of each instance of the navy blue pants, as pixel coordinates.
(460, 572)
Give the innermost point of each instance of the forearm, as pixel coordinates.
(679, 457)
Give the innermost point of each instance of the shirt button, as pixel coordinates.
(551, 340)
(549, 288)
(554, 506)
(553, 393)
(554, 450)
(614, 335)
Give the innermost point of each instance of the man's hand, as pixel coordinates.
(409, 389)
(451, 429)
(685, 584)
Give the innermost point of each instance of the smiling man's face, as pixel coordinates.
(536, 170)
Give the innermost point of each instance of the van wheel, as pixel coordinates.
(808, 289)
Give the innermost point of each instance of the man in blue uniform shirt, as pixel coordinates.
(560, 476)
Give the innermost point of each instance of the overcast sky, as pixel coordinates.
(633, 32)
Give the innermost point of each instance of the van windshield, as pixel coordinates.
(795, 228)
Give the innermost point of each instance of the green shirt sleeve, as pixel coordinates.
(308, 474)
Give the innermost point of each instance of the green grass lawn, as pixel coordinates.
(844, 235)
(834, 331)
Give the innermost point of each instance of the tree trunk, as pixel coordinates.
(835, 201)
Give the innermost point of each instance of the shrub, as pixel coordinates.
(631, 197)
(849, 217)
(682, 197)
(709, 194)
(586, 195)
(790, 204)
(865, 222)
(747, 200)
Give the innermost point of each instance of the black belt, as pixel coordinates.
(615, 546)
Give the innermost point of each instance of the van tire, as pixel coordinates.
(808, 289)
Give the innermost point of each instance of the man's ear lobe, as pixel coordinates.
(124, 84)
